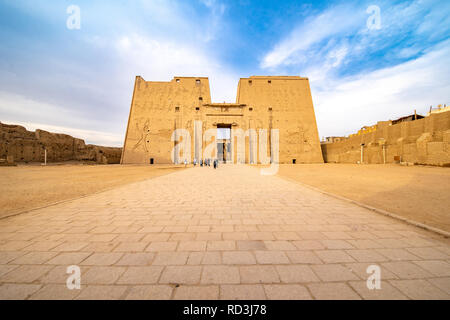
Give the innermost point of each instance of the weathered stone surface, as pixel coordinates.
(423, 141)
(262, 103)
(21, 145)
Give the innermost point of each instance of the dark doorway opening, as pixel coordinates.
(224, 142)
(294, 161)
(152, 161)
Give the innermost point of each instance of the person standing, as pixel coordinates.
(215, 164)
(185, 163)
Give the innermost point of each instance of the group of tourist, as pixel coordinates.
(204, 163)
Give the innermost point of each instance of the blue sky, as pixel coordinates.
(80, 81)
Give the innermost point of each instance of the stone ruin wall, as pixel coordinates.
(157, 109)
(28, 146)
(425, 141)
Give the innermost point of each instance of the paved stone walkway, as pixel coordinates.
(224, 234)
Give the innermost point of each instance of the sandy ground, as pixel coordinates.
(418, 193)
(31, 186)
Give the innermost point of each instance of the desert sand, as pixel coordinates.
(30, 186)
(418, 193)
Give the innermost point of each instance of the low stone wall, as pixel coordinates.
(28, 146)
(424, 141)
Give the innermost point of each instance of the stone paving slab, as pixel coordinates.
(229, 233)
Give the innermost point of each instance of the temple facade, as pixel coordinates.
(272, 120)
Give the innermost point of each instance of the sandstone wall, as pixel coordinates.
(424, 141)
(283, 103)
(158, 108)
(28, 146)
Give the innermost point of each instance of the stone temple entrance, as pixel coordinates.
(224, 143)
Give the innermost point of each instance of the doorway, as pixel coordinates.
(224, 143)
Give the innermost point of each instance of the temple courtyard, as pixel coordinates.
(231, 233)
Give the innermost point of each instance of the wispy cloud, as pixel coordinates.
(406, 30)
(89, 136)
(16, 109)
(312, 32)
(360, 76)
(214, 21)
(82, 80)
(347, 104)
(162, 59)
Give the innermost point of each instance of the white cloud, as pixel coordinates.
(344, 105)
(89, 136)
(208, 3)
(89, 97)
(39, 115)
(332, 22)
(214, 22)
(337, 56)
(311, 40)
(160, 60)
(408, 52)
(337, 41)
(332, 60)
(160, 39)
